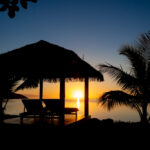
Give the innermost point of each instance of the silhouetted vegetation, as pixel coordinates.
(12, 6)
(7, 90)
(136, 82)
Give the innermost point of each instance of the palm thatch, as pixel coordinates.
(47, 61)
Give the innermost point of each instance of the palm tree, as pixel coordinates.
(136, 83)
(7, 90)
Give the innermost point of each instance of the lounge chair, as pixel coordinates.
(55, 108)
(32, 108)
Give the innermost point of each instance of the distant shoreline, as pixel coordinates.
(122, 113)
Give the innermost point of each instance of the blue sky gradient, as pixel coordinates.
(95, 29)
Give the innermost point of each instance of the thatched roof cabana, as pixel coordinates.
(43, 60)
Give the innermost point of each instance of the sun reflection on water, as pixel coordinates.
(78, 103)
(78, 94)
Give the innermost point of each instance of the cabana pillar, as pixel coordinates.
(62, 99)
(41, 88)
(86, 105)
(62, 91)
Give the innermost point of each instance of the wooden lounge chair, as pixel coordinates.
(32, 108)
(55, 108)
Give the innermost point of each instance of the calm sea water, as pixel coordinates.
(120, 113)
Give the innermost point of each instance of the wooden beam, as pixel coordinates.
(62, 99)
(41, 89)
(62, 91)
(86, 110)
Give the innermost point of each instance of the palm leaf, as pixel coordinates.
(7, 84)
(114, 98)
(148, 72)
(12, 95)
(137, 61)
(144, 41)
(125, 80)
(28, 83)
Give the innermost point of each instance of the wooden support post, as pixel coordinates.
(62, 99)
(62, 91)
(1, 110)
(86, 110)
(41, 89)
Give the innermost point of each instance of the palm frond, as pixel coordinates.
(144, 41)
(114, 98)
(137, 61)
(125, 80)
(148, 72)
(12, 95)
(7, 84)
(28, 83)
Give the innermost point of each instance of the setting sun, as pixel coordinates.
(78, 94)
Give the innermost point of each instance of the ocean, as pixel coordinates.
(119, 113)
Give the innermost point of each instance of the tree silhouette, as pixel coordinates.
(7, 90)
(137, 82)
(12, 6)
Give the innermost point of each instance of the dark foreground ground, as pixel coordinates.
(84, 125)
(86, 132)
(108, 124)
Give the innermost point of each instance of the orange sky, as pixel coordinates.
(51, 90)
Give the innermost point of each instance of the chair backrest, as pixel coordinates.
(34, 106)
(53, 105)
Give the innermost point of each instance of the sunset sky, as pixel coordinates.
(94, 29)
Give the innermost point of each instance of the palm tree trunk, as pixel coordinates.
(139, 111)
(144, 113)
(1, 111)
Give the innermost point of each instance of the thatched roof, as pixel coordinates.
(46, 60)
